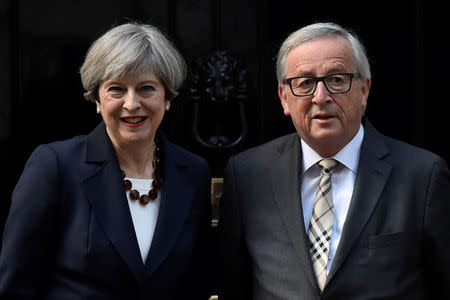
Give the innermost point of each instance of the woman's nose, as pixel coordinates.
(131, 100)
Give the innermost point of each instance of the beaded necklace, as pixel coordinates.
(144, 199)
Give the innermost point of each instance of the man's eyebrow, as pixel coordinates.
(336, 69)
(301, 73)
(331, 71)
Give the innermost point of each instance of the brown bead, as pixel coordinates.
(156, 184)
(144, 199)
(157, 173)
(127, 184)
(134, 195)
(153, 194)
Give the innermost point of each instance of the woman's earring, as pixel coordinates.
(98, 109)
(167, 106)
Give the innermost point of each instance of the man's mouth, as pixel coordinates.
(322, 116)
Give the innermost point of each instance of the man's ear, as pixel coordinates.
(283, 98)
(365, 91)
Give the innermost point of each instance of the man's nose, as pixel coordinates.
(321, 94)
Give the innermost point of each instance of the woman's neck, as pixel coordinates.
(136, 160)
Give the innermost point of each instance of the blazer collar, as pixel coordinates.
(373, 173)
(104, 189)
(98, 145)
(176, 201)
(286, 187)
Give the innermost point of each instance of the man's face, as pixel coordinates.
(326, 122)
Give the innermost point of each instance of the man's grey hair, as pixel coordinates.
(132, 49)
(322, 30)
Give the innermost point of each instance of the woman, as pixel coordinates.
(121, 213)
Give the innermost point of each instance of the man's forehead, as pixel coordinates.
(321, 55)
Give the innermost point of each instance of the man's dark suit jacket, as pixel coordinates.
(70, 235)
(394, 245)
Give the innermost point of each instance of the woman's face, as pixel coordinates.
(132, 108)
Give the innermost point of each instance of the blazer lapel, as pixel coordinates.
(174, 208)
(104, 189)
(371, 178)
(286, 187)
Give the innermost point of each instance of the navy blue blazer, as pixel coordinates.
(69, 233)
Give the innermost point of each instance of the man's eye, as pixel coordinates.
(307, 81)
(336, 79)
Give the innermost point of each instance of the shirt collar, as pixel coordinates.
(345, 156)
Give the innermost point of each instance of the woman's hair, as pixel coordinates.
(321, 30)
(132, 49)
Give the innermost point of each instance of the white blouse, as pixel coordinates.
(144, 216)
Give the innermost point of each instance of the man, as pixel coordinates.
(335, 210)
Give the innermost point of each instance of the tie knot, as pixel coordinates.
(328, 165)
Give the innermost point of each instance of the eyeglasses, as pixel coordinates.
(303, 86)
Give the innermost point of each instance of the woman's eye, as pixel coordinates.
(147, 88)
(115, 89)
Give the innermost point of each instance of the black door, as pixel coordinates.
(43, 44)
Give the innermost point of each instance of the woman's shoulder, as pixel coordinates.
(181, 155)
(48, 160)
(67, 144)
(63, 149)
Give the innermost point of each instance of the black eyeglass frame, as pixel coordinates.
(321, 79)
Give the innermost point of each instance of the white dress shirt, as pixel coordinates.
(144, 216)
(342, 184)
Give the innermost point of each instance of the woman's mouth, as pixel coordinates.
(133, 121)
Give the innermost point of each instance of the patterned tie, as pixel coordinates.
(321, 225)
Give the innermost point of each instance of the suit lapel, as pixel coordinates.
(104, 189)
(371, 178)
(286, 187)
(174, 208)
